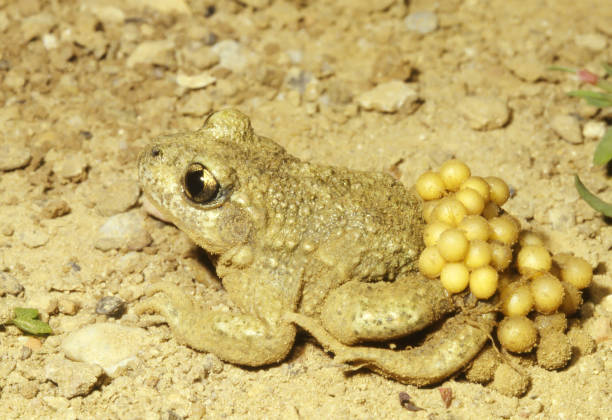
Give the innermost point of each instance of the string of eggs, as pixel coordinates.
(471, 242)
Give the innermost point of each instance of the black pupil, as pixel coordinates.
(194, 182)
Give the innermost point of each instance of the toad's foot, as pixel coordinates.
(446, 351)
(236, 338)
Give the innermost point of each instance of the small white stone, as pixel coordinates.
(49, 41)
(196, 81)
(421, 22)
(33, 237)
(13, 156)
(197, 104)
(125, 195)
(124, 230)
(567, 127)
(484, 113)
(70, 166)
(108, 345)
(389, 97)
(594, 129)
(151, 52)
(592, 41)
(72, 378)
(230, 54)
(528, 69)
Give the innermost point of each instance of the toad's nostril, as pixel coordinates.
(155, 152)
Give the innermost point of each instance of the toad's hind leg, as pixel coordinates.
(447, 350)
(237, 338)
(357, 311)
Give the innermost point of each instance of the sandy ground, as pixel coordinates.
(84, 85)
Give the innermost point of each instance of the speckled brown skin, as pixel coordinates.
(333, 247)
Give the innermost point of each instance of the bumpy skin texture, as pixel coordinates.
(331, 250)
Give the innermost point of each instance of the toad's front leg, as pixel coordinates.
(236, 338)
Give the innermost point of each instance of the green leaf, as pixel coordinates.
(603, 152)
(26, 313)
(32, 326)
(592, 200)
(561, 68)
(598, 99)
(608, 68)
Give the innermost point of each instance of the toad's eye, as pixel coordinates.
(200, 185)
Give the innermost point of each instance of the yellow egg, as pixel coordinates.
(572, 299)
(499, 191)
(430, 186)
(431, 262)
(479, 184)
(490, 210)
(504, 229)
(483, 282)
(475, 227)
(454, 173)
(450, 211)
(516, 299)
(455, 277)
(532, 259)
(574, 270)
(478, 255)
(453, 245)
(517, 334)
(501, 255)
(432, 232)
(428, 208)
(547, 293)
(527, 237)
(471, 200)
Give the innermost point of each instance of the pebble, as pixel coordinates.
(72, 378)
(592, 41)
(45, 303)
(118, 198)
(421, 22)
(110, 306)
(9, 285)
(594, 129)
(204, 58)
(33, 237)
(389, 97)
(529, 70)
(108, 345)
(55, 207)
(197, 104)
(196, 81)
(124, 230)
(230, 54)
(151, 52)
(13, 156)
(71, 166)
(68, 306)
(567, 127)
(484, 113)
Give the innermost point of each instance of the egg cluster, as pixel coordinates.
(471, 242)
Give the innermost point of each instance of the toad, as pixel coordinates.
(326, 249)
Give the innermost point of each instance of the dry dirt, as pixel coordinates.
(82, 90)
